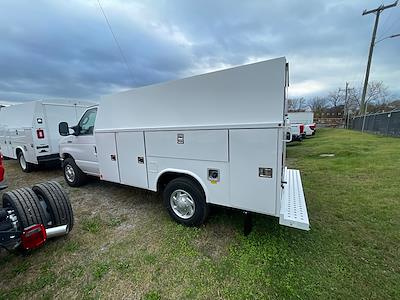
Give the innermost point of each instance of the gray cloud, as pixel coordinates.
(64, 49)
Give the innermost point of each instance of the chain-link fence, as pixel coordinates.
(387, 123)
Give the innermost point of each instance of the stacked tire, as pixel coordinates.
(46, 203)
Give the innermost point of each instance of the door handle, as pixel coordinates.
(113, 157)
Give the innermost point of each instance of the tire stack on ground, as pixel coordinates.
(46, 203)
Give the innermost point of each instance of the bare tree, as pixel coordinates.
(317, 104)
(297, 104)
(377, 93)
(336, 98)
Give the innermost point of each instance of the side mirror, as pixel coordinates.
(63, 129)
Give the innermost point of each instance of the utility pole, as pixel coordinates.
(377, 12)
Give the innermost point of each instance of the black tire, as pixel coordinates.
(24, 165)
(79, 178)
(57, 202)
(26, 206)
(195, 191)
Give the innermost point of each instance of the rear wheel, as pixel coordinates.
(57, 203)
(72, 174)
(26, 206)
(25, 166)
(185, 201)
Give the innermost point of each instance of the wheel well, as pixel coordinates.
(168, 176)
(66, 155)
(17, 151)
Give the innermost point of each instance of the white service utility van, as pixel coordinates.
(29, 131)
(218, 138)
(306, 118)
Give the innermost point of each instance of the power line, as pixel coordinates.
(386, 21)
(389, 28)
(124, 60)
(377, 11)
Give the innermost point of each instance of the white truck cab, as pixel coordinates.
(217, 138)
(79, 147)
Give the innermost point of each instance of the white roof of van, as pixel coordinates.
(21, 115)
(249, 94)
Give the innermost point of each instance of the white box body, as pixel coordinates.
(302, 117)
(232, 121)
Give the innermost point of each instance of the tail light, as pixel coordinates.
(33, 237)
(312, 126)
(40, 133)
(301, 128)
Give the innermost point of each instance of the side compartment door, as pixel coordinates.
(107, 156)
(131, 159)
(253, 167)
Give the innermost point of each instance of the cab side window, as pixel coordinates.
(86, 124)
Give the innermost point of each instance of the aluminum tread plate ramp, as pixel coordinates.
(293, 206)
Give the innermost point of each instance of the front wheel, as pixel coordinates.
(72, 174)
(25, 166)
(185, 201)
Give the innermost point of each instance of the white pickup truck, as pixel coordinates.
(218, 138)
(306, 118)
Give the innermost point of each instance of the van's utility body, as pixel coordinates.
(218, 138)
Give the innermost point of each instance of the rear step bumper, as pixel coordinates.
(48, 158)
(293, 204)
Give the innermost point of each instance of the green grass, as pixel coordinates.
(351, 252)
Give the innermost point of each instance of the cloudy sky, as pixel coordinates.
(64, 49)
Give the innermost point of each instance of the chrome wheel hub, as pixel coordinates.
(182, 204)
(69, 173)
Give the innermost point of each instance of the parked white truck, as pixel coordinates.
(306, 118)
(297, 132)
(218, 138)
(29, 131)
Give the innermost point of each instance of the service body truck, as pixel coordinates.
(306, 118)
(29, 131)
(217, 138)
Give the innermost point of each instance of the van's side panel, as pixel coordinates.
(250, 150)
(189, 144)
(107, 156)
(191, 152)
(131, 159)
(217, 193)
